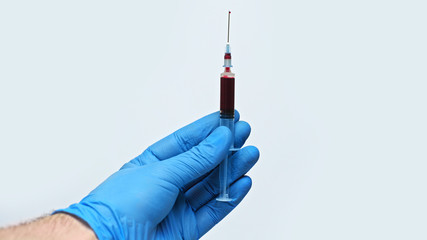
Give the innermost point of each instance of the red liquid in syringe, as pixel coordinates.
(227, 97)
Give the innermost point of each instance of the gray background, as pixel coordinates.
(335, 92)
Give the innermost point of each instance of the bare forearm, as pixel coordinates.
(57, 226)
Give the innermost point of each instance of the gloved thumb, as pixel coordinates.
(199, 160)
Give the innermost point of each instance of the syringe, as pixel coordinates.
(226, 117)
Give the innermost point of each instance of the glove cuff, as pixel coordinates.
(99, 217)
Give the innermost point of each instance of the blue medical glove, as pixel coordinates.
(168, 192)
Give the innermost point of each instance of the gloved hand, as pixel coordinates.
(169, 191)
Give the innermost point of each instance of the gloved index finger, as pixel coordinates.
(185, 138)
(186, 167)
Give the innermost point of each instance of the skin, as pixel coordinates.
(58, 226)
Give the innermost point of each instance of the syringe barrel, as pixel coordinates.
(224, 167)
(226, 119)
(228, 122)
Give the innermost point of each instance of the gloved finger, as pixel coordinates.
(187, 137)
(213, 212)
(207, 189)
(184, 168)
(180, 141)
(241, 133)
(242, 130)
